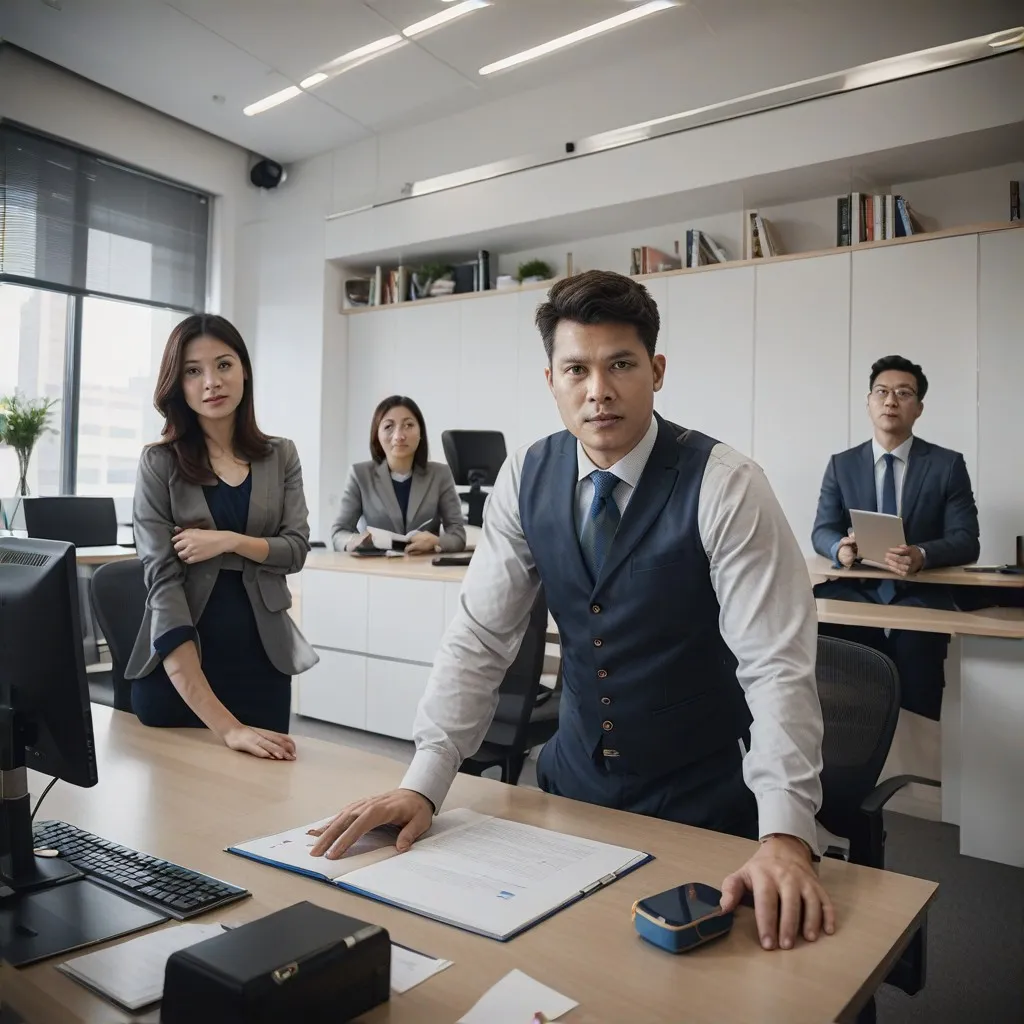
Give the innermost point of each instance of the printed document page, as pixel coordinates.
(494, 877)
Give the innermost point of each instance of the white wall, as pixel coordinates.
(773, 359)
(44, 97)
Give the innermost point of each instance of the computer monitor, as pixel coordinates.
(84, 522)
(45, 714)
(474, 457)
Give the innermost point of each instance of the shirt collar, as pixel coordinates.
(902, 452)
(629, 468)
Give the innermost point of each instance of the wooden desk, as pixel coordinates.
(1002, 622)
(822, 569)
(179, 794)
(102, 555)
(408, 567)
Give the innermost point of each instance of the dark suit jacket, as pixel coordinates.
(938, 510)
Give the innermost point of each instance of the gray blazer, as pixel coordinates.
(369, 499)
(178, 592)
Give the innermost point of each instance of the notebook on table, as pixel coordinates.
(486, 875)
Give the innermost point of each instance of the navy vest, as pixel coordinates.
(649, 684)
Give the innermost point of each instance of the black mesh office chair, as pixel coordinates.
(119, 603)
(474, 457)
(859, 690)
(526, 716)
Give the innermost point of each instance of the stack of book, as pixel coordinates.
(861, 217)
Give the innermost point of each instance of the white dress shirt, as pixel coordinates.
(767, 619)
(901, 456)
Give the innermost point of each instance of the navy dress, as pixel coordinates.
(234, 661)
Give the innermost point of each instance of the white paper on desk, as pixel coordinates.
(409, 968)
(132, 973)
(290, 849)
(493, 877)
(515, 999)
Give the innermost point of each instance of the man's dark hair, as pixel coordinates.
(599, 297)
(903, 365)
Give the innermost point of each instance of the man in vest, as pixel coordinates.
(673, 576)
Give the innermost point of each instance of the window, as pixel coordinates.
(33, 333)
(120, 355)
(98, 262)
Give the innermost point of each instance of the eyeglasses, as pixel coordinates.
(881, 394)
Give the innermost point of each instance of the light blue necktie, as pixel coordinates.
(887, 588)
(601, 523)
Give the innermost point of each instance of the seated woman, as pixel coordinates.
(399, 490)
(220, 518)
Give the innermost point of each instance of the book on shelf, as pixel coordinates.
(866, 217)
(470, 870)
(761, 240)
(702, 250)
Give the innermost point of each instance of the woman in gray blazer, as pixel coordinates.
(399, 490)
(219, 519)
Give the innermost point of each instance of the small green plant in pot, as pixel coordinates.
(534, 270)
(23, 421)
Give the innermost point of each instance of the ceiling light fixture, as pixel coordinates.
(373, 49)
(435, 20)
(1007, 38)
(271, 101)
(579, 35)
(308, 83)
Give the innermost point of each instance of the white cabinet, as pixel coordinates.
(334, 690)
(801, 379)
(999, 482)
(920, 301)
(334, 609)
(393, 692)
(709, 348)
(406, 618)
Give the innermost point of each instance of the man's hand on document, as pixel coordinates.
(404, 807)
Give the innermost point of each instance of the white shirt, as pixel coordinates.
(767, 619)
(899, 470)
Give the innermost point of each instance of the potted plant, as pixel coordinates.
(425, 277)
(534, 270)
(22, 422)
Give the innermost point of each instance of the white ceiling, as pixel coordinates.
(202, 61)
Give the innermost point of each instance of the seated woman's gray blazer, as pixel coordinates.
(177, 593)
(369, 500)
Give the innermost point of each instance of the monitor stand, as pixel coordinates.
(46, 905)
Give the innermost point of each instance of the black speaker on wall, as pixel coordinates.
(267, 174)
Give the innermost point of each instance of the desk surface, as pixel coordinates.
(1002, 622)
(822, 568)
(100, 556)
(180, 795)
(413, 567)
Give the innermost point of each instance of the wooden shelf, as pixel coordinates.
(973, 229)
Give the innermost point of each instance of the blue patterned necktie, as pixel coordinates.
(601, 522)
(887, 588)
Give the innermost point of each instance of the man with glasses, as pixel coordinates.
(929, 487)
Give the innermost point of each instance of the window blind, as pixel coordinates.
(70, 219)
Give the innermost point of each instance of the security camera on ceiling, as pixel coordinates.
(267, 174)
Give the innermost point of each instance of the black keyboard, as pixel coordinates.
(170, 888)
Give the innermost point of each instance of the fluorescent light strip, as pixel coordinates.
(466, 7)
(578, 36)
(271, 101)
(308, 83)
(369, 50)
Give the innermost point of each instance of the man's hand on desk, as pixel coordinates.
(846, 553)
(781, 876)
(399, 807)
(905, 560)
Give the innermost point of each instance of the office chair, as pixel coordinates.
(526, 717)
(119, 603)
(474, 457)
(859, 691)
(84, 522)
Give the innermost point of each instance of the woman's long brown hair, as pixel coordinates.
(181, 431)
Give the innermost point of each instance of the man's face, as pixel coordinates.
(604, 382)
(893, 403)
